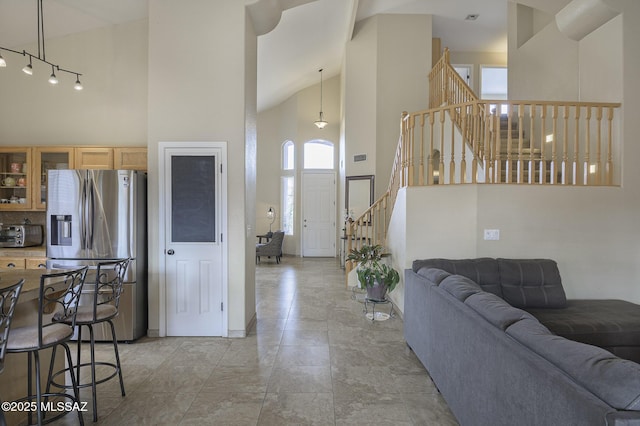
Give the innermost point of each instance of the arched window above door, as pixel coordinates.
(318, 154)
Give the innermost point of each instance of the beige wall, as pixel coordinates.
(404, 62)
(250, 171)
(111, 110)
(386, 68)
(586, 230)
(543, 68)
(360, 99)
(601, 57)
(196, 95)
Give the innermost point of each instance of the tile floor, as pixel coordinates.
(312, 359)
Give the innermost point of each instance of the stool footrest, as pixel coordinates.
(85, 385)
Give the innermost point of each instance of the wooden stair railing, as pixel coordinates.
(462, 139)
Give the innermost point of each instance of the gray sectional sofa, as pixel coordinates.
(496, 364)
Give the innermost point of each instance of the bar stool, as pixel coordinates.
(8, 302)
(106, 298)
(57, 302)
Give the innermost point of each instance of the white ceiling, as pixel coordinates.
(307, 38)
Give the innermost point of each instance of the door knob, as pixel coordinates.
(170, 252)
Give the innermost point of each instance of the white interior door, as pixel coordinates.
(194, 253)
(318, 214)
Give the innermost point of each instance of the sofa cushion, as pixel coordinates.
(531, 283)
(610, 324)
(616, 381)
(460, 287)
(495, 310)
(434, 275)
(484, 271)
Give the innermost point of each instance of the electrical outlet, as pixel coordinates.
(491, 234)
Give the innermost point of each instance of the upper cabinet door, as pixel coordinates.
(45, 159)
(96, 158)
(130, 158)
(15, 179)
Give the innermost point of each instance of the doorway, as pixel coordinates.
(319, 214)
(193, 222)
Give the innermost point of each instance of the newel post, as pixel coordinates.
(404, 132)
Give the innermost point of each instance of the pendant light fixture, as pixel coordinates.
(320, 121)
(41, 56)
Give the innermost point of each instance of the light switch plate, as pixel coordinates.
(491, 234)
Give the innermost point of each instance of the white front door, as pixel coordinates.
(194, 252)
(319, 214)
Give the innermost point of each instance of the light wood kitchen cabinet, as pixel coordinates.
(12, 263)
(23, 170)
(130, 158)
(15, 179)
(45, 159)
(36, 263)
(100, 158)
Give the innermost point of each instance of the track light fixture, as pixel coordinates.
(28, 69)
(41, 56)
(78, 85)
(52, 78)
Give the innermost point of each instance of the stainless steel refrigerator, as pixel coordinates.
(99, 215)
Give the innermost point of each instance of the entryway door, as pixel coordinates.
(193, 196)
(318, 214)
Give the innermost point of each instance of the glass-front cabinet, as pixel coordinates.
(48, 158)
(15, 179)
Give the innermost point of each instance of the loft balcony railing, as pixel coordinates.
(462, 139)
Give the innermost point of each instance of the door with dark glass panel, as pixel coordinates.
(193, 248)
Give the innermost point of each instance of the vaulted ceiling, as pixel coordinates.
(309, 36)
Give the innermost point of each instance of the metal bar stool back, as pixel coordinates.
(58, 300)
(106, 292)
(8, 301)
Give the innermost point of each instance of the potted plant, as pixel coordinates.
(373, 275)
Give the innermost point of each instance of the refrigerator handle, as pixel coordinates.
(91, 217)
(83, 214)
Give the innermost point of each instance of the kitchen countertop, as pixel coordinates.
(38, 251)
(31, 286)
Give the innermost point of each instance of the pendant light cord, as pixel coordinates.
(320, 91)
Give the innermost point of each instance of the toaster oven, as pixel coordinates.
(21, 235)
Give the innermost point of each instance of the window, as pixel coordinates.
(288, 157)
(288, 204)
(318, 155)
(493, 84)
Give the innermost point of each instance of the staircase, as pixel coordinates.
(460, 139)
(519, 162)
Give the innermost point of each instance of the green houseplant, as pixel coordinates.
(373, 275)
